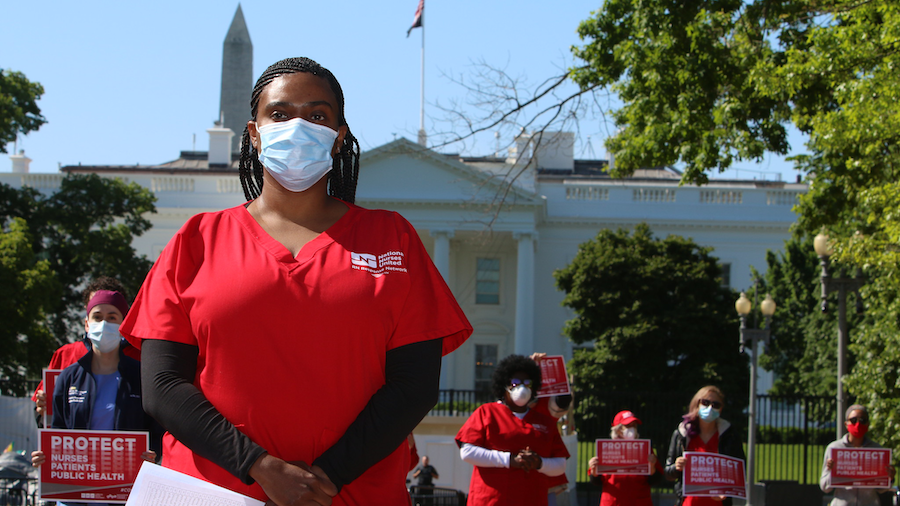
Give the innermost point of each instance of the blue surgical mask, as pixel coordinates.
(708, 413)
(296, 153)
(104, 336)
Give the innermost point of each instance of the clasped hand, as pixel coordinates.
(292, 483)
(526, 460)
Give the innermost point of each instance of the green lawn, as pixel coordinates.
(773, 462)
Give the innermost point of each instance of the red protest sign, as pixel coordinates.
(554, 380)
(713, 475)
(624, 456)
(860, 467)
(90, 465)
(49, 378)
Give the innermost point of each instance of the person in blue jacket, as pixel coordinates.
(102, 390)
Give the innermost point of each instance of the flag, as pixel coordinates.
(8, 448)
(419, 21)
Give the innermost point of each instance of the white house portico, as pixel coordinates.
(471, 218)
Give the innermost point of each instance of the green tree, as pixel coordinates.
(803, 348)
(710, 82)
(19, 112)
(81, 231)
(657, 316)
(875, 378)
(29, 288)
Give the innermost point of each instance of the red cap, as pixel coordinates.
(625, 418)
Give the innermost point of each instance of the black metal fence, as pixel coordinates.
(792, 431)
(458, 402)
(436, 496)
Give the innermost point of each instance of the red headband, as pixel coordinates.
(108, 297)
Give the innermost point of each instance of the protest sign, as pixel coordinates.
(624, 456)
(860, 467)
(49, 377)
(713, 475)
(554, 380)
(90, 465)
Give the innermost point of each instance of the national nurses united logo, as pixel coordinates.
(377, 266)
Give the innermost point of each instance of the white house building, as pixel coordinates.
(496, 243)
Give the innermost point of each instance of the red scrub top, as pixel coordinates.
(292, 348)
(696, 444)
(495, 427)
(625, 490)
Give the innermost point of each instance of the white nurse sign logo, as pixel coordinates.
(378, 265)
(364, 260)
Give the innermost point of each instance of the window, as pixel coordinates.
(487, 281)
(485, 363)
(725, 274)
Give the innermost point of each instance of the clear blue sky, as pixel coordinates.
(132, 82)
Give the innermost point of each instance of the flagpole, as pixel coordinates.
(423, 141)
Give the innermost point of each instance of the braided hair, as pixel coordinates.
(345, 169)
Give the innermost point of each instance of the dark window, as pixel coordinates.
(487, 281)
(485, 363)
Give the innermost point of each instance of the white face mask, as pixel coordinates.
(296, 153)
(519, 394)
(629, 433)
(104, 336)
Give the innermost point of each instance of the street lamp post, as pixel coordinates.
(751, 338)
(841, 284)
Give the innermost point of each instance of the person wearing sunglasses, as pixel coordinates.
(857, 423)
(702, 429)
(513, 448)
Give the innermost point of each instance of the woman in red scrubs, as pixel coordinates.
(702, 430)
(514, 449)
(290, 344)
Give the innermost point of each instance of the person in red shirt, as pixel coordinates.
(625, 489)
(68, 354)
(702, 430)
(290, 345)
(513, 449)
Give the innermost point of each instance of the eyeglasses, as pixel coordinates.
(516, 382)
(714, 404)
(853, 420)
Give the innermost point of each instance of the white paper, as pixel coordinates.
(157, 485)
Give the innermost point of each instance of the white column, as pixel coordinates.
(525, 293)
(442, 252)
(441, 259)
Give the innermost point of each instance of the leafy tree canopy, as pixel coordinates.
(710, 82)
(657, 316)
(19, 112)
(29, 287)
(875, 378)
(81, 231)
